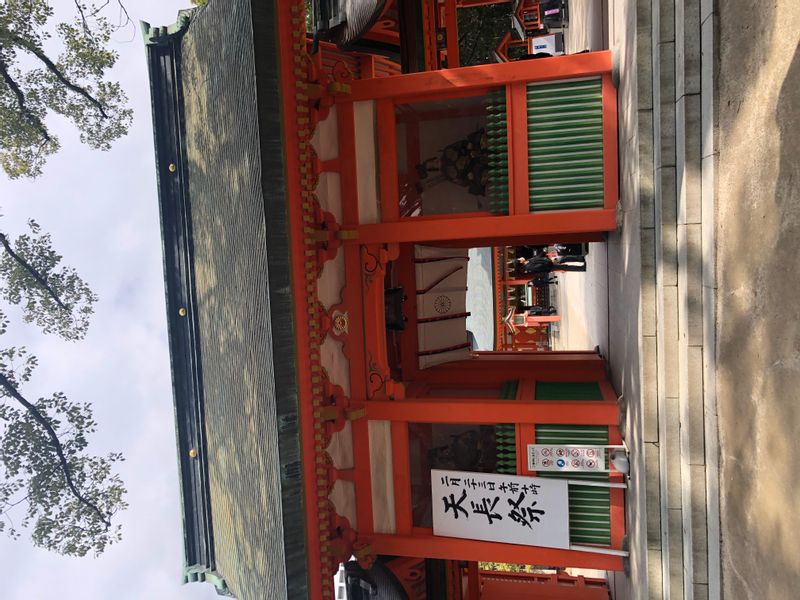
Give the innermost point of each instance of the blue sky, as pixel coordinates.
(102, 211)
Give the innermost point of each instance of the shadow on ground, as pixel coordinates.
(758, 316)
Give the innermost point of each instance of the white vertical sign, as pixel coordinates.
(500, 508)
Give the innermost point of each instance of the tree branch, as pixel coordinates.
(53, 68)
(9, 505)
(99, 8)
(123, 12)
(56, 443)
(10, 521)
(40, 279)
(84, 22)
(32, 118)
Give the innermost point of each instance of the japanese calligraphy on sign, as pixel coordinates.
(500, 508)
(565, 458)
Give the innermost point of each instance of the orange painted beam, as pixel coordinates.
(532, 240)
(618, 526)
(367, 66)
(466, 79)
(464, 215)
(473, 581)
(489, 229)
(550, 354)
(516, 281)
(354, 349)
(477, 550)
(387, 161)
(526, 434)
(505, 366)
(481, 411)
(455, 588)
(451, 24)
(536, 320)
(374, 320)
(617, 507)
(526, 390)
(411, 177)
(348, 173)
(608, 392)
(352, 301)
(305, 392)
(474, 3)
(519, 203)
(401, 474)
(610, 144)
(505, 586)
(429, 34)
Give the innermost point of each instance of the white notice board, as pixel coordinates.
(542, 457)
(500, 508)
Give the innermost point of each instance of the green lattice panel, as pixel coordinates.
(565, 145)
(497, 140)
(589, 507)
(506, 435)
(568, 390)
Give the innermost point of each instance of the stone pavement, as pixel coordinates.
(675, 66)
(661, 270)
(758, 313)
(582, 301)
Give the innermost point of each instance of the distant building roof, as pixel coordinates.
(217, 120)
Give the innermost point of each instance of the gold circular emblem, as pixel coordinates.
(340, 323)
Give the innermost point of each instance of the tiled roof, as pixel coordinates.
(224, 223)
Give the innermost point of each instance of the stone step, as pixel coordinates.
(674, 318)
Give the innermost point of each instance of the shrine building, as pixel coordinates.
(321, 183)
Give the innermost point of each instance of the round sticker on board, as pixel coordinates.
(561, 463)
(590, 453)
(576, 463)
(561, 452)
(575, 452)
(547, 452)
(591, 464)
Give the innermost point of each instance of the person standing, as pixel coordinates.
(580, 259)
(542, 281)
(543, 264)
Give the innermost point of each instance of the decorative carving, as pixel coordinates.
(306, 63)
(328, 245)
(442, 304)
(340, 323)
(342, 73)
(364, 554)
(324, 480)
(377, 379)
(372, 265)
